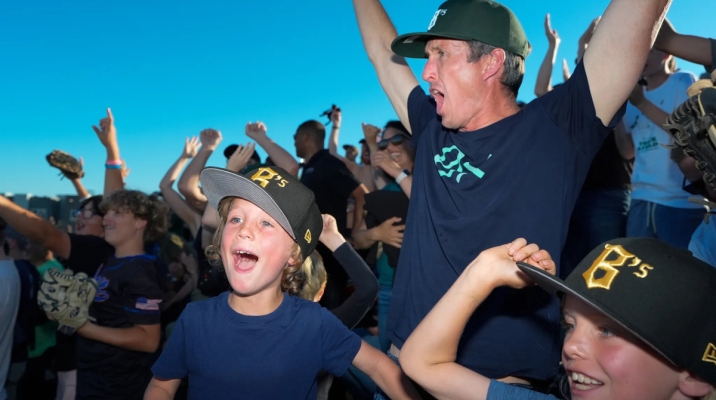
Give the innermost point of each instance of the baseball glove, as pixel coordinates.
(66, 298)
(69, 166)
(693, 125)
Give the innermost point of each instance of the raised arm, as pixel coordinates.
(352, 310)
(394, 74)
(107, 134)
(695, 49)
(383, 161)
(35, 228)
(82, 192)
(428, 356)
(336, 118)
(282, 158)
(623, 38)
(174, 199)
(370, 133)
(189, 181)
(544, 76)
(566, 73)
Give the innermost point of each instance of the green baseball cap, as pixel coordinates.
(483, 20)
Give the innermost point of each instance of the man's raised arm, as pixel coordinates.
(394, 74)
(622, 39)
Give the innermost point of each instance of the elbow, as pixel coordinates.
(293, 170)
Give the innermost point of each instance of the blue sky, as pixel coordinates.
(168, 69)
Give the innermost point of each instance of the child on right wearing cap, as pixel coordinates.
(260, 341)
(638, 315)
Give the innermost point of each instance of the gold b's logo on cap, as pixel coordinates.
(710, 354)
(307, 236)
(612, 257)
(265, 175)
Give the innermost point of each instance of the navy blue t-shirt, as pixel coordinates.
(227, 355)
(518, 177)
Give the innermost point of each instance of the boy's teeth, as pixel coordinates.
(577, 377)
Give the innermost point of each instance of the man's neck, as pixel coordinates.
(494, 110)
(129, 249)
(310, 153)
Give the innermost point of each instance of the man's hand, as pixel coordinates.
(255, 130)
(389, 233)
(191, 147)
(330, 236)
(210, 139)
(370, 133)
(499, 263)
(552, 36)
(587, 37)
(106, 132)
(336, 118)
(240, 159)
(636, 98)
(383, 161)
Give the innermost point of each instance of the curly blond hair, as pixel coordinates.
(315, 276)
(292, 280)
(148, 208)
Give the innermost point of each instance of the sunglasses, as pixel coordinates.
(86, 214)
(396, 140)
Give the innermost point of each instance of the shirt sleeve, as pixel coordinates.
(172, 364)
(143, 293)
(421, 111)
(87, 253)
(570, 106)
(503, 391)
(682, 86)
(351, 311)
(339, 346)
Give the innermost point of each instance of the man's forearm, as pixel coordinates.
(333, 140)
(113, 176)
(145, 338)
(173, 173)
(279, 155)
(80, 188)
(544, 76)
(189, 182)
(690, 48)
(34, 228)
(653, 112)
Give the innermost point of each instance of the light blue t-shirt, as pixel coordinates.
(703, 242)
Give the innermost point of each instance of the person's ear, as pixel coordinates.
(692, 386)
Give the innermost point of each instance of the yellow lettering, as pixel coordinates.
(710, 354)
(282, 183)
(263, 175)
(643, 270)
(307, 236)
(605, 265)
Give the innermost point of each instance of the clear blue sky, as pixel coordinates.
(171, 68)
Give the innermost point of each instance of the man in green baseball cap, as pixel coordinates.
(486, 171)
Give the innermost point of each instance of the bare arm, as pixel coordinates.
(161, 389)
(190, 264)
(625, 143)
(336, 118)
(544, 76)
(280, 157)
(370, 133)
(428, 356)
(387, 232)
(210, 219)
(107, 134)
(144, 338)
(80, 188)
(624, 36)
(359, 196)
(566, 73)
(35, 228)
(189, 181)
(383, 161)
(394, 74)
(691, 48)
(384, 372)
(175, 201)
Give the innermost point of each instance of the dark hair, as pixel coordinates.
(407, 145)
(96, 202)
(395, 124)
(148, 208)
(514, 65)
(315, 129)
(230, 149)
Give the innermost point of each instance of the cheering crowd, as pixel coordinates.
(474, 247)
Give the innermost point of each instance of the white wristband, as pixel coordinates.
(400, 177)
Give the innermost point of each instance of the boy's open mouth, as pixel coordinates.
(244, 261)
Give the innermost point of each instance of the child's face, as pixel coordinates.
(121, 226)
(254, 249)
(601, 350)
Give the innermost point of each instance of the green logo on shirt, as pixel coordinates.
(456, 165)
(648, 144)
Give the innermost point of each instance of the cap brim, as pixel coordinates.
(218, 183)
(412, 45)
(555, 286)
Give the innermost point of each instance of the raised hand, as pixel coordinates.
(191, 147)
(330, 236)
(106, 132)
(587, 35)
(382, 160)
(498, 264)
(370, 133)
(255, 130)
(240, 159)
(210, 138)
(389, 233)
(336, 118)
(552, 36)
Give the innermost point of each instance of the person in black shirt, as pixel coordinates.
(332, 184)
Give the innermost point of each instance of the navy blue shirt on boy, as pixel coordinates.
(518, 177)
(227, 355)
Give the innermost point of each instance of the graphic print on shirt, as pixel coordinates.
(455, 166)
(102, 285)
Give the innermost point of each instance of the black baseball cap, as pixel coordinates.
(661, 294)
(275, 191)
(350, 147)
(230, 149)
(483, 20)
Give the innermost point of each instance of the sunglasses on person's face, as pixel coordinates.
(396, 140)
(86, 214)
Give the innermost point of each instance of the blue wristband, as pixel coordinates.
(111, 166)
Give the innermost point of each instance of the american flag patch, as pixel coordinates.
(146, 304)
